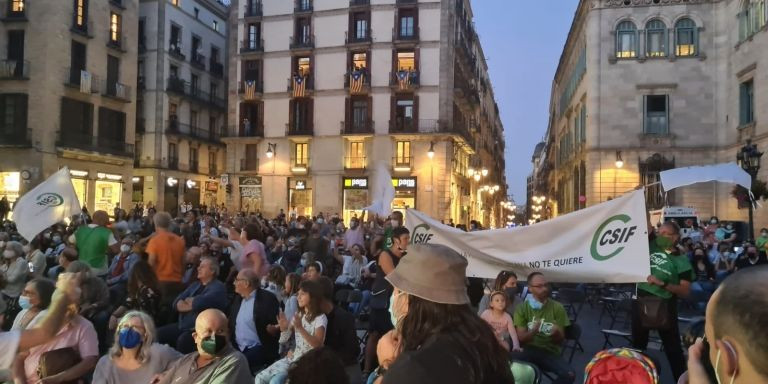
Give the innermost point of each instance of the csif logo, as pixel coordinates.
(49, 199)
(611, 237)
(421, 234)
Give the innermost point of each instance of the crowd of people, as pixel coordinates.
(209, 297)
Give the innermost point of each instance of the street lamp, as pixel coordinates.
(619, 160)
(431, 152)
(477, 177)
(271, 149)
(485, 172)
(749, 160)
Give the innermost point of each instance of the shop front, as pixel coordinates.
(80, 182)
(211, 190)
(300, 196)
(10, 186)
(250, 193)
(192, 193)
(405, 193)
(137, 193)
(355, 195)
(109, 189)
(171, 196)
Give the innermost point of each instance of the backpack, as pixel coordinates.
(621, 365)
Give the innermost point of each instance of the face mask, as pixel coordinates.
(511, 293)
(729, 227)
(664, 242)
(394, 223)
(713, 221)
(129, 338)
(320, 221)
(303, 262)
(392, 316)
(56, 239)
(535, 304)
(214, 344)
(125, 248)
(24, 302)
(717, 375)
(764, 234)
(9, 254)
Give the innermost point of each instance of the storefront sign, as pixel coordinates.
(355, 183)
(404, 183)
(211, 186)
(109, 176)
(250, 191)
(76, 173)
(250, 181)
(301, 185)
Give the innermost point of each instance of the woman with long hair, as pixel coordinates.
(143, 293)
(506, 281)
(435, 324)
(135, 357)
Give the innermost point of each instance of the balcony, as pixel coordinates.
(406, 2)
(256, 130)
(141, 125)
(84, 80)
(212, 170)
(303, 89)
(250, 89)
(184, 88)
(119, 45)
(357, 82)
(177, 85)
(96, 144)
(14, 70)
(19, 137)
(302, 42)
(84, 29)
(405, 35)
(402, 163)
(193, 167)
(404, 80)
(359, 3)
(298, 130)
(216, 68)
(117, 90)
(140, 83)
(15, 12)
(358, 37)
(173, 163)
(355, 163)
(198, 61)
(252, 46)
(303, 6)
(173, 127)
(299, 165)
(249, 165)
(253, 9)
(405, 126)
(174, 50)
(365, 127)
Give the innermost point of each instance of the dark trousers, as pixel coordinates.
(256, 358)
(547, 362)
(670, 338)
(168, 292)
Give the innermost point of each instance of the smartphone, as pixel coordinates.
(708, 363)
(31, 267)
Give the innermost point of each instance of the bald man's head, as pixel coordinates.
(739, 309)
(211, 327)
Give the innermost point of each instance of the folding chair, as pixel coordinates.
(572, 336)
(573, 300)
(525, 372)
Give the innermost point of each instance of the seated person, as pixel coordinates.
(192, 259)
(94, 302)
(206, 293)
(66, 256)
(134, 356)
(34, 302)
(120, 268)
(540, 323)
(252, 310)
(214, 361)
(341, 335)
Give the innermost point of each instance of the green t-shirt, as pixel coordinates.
(668, 268)
(551, 313)
(762, 244)
(92, 244)
(387, 239)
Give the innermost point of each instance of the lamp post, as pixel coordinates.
(748, 158)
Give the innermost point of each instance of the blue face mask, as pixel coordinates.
(129, 338)
(24, 302)
(535, 304)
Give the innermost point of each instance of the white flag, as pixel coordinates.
(85, 82)
(49, 203)
(383, 193)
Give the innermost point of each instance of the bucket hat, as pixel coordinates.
(432, 272)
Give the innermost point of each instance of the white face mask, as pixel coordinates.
(717, 374)
(125, 248)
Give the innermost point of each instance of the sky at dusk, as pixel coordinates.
(522, 41)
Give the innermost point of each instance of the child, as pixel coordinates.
(309, 327)
(501, 321)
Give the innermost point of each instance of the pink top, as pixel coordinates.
(79, 333)
(255, 249)
(500, 325)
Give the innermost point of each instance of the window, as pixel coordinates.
(359, 115)
(251, 157)
(253, 36)
(303, 66)
(303, 31)
(215, 26)
(656, 39)
(583, 123)
(193, 119)
(212, 162)
(407, 24)
(174, 70)
(175, 2)
(301, 116)
(304, 5)
(194, 84)
(111, 128)
(404, 115)
(175, 42)
(747, 102)
(172, 110)
(193, 159)
(197, 13)
(114, 27)
(626, 40)
(173, 155)
(406, 61)
(76, 118)
(656, 114)
(359, 61)
(686, 38)
(360, 25)
(13, 115)
(356, 155)
(650, 170)
(81, 14)
(300, 154)
(17, 6)
(752, 18)
(403, 152)
(214, 89)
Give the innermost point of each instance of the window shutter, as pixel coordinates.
(370, 112)
(291, 114)
(20, 115)
(311, 115)
(743, 101)
(348, 114)
(392, 112)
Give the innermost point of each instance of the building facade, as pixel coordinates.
(320, 92)
(648, 85)
(67, 96)
(182, 103)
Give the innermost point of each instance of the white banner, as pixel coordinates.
(49, 203)
(606, 243)
(726, 173)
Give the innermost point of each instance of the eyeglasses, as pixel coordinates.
(539, 286)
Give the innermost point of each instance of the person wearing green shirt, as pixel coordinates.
(94, 240)
(670, 278)
(540, 323)
(762, 241)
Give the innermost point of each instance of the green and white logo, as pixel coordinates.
(49, 199)
(611, 237)
(421, 234)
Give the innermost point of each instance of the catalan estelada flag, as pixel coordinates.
(299, 86)
(356, 81)
(250, 89)
(404, 80)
